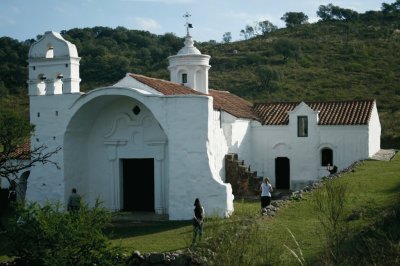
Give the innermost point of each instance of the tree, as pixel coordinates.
(331, 12)
(266, 27)
(248, 32)
(391, 8)
(227, 37)
(293, 19)
(266, 77)
(15, 130)
(286, 47)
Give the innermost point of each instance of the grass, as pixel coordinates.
(374, 190)
(152, 236)
(373, 187)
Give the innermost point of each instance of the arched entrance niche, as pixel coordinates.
(282, 165)
(114, 151)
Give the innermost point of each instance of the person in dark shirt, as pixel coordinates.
(74, 201)
(198, 220)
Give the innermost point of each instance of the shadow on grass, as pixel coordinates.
(133, 229)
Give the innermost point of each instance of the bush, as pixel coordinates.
(330, 204)
(237, 241)
(49, 236)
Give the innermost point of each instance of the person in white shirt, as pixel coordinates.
(266, 189)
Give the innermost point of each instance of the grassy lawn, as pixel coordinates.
(152, 236)
(373, 187)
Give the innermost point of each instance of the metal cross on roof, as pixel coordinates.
(187, 25)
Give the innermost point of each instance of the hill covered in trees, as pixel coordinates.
(341, 57)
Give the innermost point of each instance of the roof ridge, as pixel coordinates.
(159, 79)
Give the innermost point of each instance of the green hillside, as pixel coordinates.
(329, 60)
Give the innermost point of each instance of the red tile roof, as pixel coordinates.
(330, 113)
(232, 104)
(165, 87)
(223, 100)
(22, 152)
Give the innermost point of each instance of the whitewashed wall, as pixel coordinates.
(349, 144)
(374, 132)
(50, 115)
(188, 170)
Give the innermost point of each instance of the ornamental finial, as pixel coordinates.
(187, 24)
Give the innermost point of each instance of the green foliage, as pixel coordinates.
(331, 12)
(14, 130)
(237, 241)
(330, 205)
(266, 27)
(49, 236)
(293, 19)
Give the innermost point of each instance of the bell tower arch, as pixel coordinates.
(53, 66)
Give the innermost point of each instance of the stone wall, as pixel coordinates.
(244, 182)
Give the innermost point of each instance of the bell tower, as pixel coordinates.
(189, 66)
(53, 66)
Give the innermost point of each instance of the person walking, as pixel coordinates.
(198, 220)
(266, 189)
(74, 201)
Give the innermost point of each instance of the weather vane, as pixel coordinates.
(187, 25)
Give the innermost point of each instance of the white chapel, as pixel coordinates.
(146, 144)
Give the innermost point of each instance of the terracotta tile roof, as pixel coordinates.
(232, 104)
(223, 100)
(330, 113)
(23, 151)
(163, 86)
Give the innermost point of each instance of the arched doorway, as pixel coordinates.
(282, 173)
(115, 151)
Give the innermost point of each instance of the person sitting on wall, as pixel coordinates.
(332, 169)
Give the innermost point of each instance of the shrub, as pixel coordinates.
(330, 203)
(237, 241)
(46, 235)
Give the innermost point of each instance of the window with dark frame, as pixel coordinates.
(326, 157)
(184, 78)
(302, 126)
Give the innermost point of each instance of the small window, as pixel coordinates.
(326, 157)
(136, 110)
(50, 52)
(184, 78)
(38, 114)
(302, 126)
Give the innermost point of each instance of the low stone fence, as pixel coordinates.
(177, 258)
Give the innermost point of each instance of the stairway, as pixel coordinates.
(245, 183)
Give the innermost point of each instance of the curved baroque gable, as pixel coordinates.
(52, 45)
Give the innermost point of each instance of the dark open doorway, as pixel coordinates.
(282, 173)
(138, 184)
